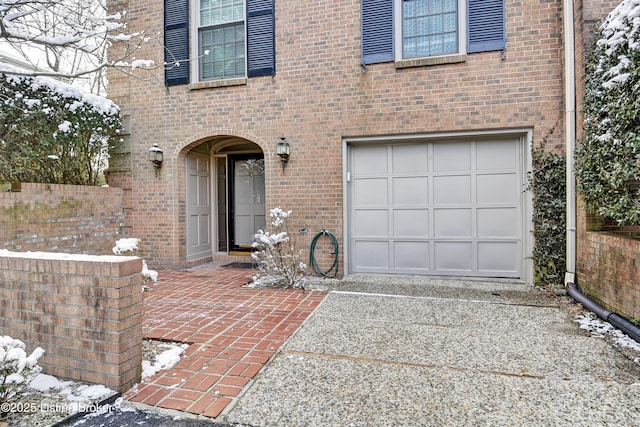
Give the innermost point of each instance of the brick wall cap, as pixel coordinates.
(67, 257)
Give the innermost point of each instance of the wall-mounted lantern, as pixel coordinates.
(283, 150)
(156, 157)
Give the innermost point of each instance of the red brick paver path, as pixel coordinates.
(232, 332)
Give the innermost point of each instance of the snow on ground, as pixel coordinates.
(48, 400)
(75, 394)
(598, 327)
(164, 360)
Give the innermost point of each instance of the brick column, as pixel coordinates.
(84, 310)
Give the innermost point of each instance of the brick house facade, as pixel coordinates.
(415, 159)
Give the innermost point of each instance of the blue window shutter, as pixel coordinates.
(377, 31)
(486, 25)
(176, 42)
(261, 49)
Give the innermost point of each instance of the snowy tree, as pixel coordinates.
(17, 369)
(608, 159)
(54, 133)
(278, 258)
(49, 131)
(68, 39)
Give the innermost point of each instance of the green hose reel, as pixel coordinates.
(333, 270)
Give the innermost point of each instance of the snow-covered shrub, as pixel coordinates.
(278, 258)
(129, 246)
(608, 159)
(53, 133)
(16, 368)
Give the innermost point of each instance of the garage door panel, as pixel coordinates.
(411, 255)
(371, 255)
(498, 188)
(453, 223)
(449, 190)
(441, 208)
(451, 157)
(497, 155)
(453, 256)
(498, 222)
(411, 223)
(410, 158)
(371, 192)
(410, 191)
(498, 257)
(371, 160)
(371, 223)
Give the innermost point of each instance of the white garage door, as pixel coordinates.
(441, 208)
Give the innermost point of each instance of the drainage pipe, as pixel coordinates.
(619, 322)
(570, 135)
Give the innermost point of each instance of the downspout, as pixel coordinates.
(570, 137)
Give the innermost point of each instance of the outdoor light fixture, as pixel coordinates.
(283, 150)
(155, 156)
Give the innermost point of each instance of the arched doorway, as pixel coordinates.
(225, 197)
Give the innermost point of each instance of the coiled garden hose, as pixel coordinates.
(312, 257)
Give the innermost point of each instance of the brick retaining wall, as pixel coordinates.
(608, 267)
(84, 310)
(61, 218)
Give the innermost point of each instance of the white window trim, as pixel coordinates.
(194, 27)
(397, 31)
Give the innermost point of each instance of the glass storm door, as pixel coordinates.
(247, 195)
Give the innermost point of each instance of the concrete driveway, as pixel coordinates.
(426, 352)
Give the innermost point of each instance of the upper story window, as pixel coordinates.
(396, 30)
(221, 39)
(238, 37)
(428, 28)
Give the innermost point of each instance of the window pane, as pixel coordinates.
(449, 22)
(226, 45)
(218, 70)
(218, 36)
(216, 12)
(239, 37)
(436, 45)
(238, 12)
(409, 50)
(422, 26)
(409, 8)
(409, 28)
(449, 5)
(422, 46)
(227, 13)
(422, 8)
(205, 17)
(435, 24)
(450, 42)
(429, 27)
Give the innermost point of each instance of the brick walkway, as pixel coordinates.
(232, 332)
